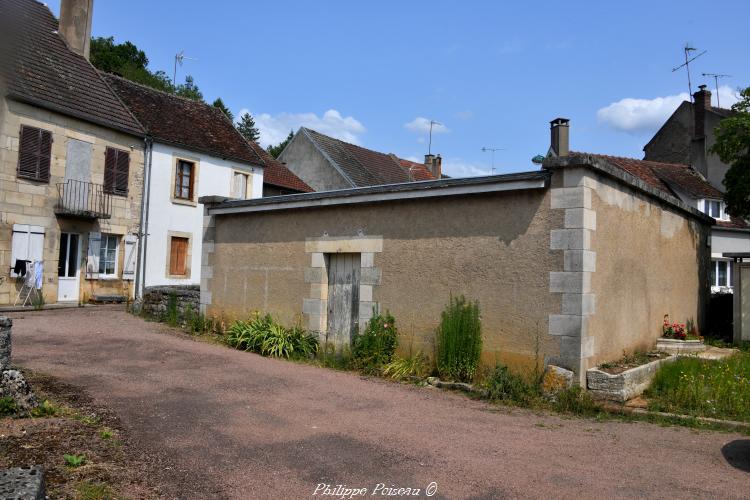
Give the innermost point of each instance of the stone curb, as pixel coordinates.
(731, 424)
(460, 386)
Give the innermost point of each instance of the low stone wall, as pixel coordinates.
(626, 385)
(156, 299)
(5, 326)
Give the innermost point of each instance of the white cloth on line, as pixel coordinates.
(38, 274)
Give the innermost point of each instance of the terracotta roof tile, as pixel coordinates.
(418, 171)
(40, 69)
(185, 122)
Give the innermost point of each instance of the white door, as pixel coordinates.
(68, 268)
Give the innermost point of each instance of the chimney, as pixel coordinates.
(75, 24)
(434, 164)
(702, 102)
(560, 140)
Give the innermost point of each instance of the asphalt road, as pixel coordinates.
(230, 424)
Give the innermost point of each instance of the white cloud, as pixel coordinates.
(422, 125)
(275, 128)
(457, 167)
(642, 115)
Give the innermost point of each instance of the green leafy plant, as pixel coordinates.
(263, 335)
(374, 348)
(45, 409)
(8, 406)
(506, 386)
(106, 433)
(459, 340)
(173, 316)
(404, 368)
(576, 401)
(37, 299)
(74, 460)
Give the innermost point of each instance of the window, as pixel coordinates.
(240, 183)
(108, 255)
(184, 180)
(34, 154)
(178, 254)
(721, 273)
(116, 168)
(714, 208)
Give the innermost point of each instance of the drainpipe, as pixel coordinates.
(140, 276)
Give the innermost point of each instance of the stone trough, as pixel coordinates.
(626, 385)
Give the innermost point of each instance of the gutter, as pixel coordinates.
(384, 193)
(140, 277)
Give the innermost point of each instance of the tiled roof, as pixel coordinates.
(364, 167)
(41, 70)
(276, 173)
(184, 122)
(418, 171)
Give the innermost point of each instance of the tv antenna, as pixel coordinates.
(178, 59)
(492, 150)
(716, 77)
(429, 147)
(688, 49)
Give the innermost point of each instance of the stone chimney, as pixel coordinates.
(560, 138)
(434, 164)
(702, 102)
(75, 24)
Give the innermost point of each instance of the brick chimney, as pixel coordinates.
(434, 164)
(560, 139)
(702, 102)
(75, 24)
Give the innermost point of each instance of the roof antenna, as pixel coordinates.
(716, 81)
(492, 150)
(688, 49)
(429, 147)
(179, 58)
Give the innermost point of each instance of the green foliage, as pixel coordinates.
(576, 401)
(404, 368)
(732, 145)
(37, 299)
(127, 60)
(276, 150)
(506, 386)
(74, 460)
(374, 349)
(7, 406)
(337, 359)
(46, 409)
(701, 387)
(246, 126)
(173, 316)
(218, 103)
(106, 433)
(189, 89)
(94, 491)
(459, 340)
(266, 337)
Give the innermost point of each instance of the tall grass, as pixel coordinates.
(459, 340)
(701, 387)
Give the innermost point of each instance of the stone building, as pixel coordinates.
(71, 160)
(686, 138)
(572, 264)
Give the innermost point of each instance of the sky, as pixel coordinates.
(493, 74)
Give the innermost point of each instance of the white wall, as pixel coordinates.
(728, 241)
(214, 178)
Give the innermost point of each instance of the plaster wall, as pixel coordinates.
(309, 164)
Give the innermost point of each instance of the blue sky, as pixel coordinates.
(494, 73)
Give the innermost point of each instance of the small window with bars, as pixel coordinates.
(34, 154)
(116, 171)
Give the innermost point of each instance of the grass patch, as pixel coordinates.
(87, 490)
(404, 368)
(46, 409)
(8, 406)
(704, 388)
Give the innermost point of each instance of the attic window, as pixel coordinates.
(714, 208)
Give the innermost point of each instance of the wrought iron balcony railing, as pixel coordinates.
(83, 200)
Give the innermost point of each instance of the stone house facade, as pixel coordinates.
(71, 166)
(571, 265)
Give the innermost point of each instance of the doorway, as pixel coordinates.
(68, 268)
(343, 297)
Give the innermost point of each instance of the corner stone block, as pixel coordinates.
(370, 276)
(569, 282)
(367, 259)
(567, 324)
(205, 298)
(580, 260)
(570, 239)
(579, 303)
(572, 197)
(365, 293)
(314, 306)
(315, 275)
(580, 218)
(318, 260)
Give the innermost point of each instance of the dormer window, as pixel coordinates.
(714, 208)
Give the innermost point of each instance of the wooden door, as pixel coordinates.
(343, 297)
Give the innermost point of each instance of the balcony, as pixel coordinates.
(83, 200)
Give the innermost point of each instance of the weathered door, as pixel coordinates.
(343, 297)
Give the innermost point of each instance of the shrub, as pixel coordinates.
(374, 349)
(266, 337)
(504, 385)
(46, 409)
(459, 340)
(7, 406)
(577, 401)
(403, 368)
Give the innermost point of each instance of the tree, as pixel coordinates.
(128, 61)
(218, 103)
(246, 127)
(189, 89)
(733, 147)
(276, 150)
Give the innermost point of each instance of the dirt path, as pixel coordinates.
(229, 424)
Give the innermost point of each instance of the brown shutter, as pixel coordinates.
(178, 256)
(110, 165)
(34, 153)
(121, 176)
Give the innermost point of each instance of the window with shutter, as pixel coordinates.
(34, 153)
(178, 256)
(116, 171)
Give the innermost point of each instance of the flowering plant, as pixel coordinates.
(673, 330)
